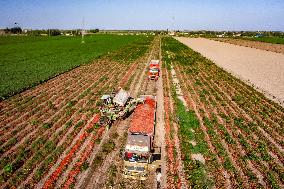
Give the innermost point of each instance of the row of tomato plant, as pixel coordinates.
(127, 75)
(83, 161)
(205, 88)
(43, 142)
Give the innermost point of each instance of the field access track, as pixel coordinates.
(263, 69)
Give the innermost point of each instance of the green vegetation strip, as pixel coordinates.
(274, 40)
(195, 170)
(28, 60)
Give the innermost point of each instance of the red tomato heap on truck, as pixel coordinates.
(140, 155)
(154, 69)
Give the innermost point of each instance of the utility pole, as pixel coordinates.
(173, 23)
(83, 31)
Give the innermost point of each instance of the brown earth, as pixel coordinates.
(279, 48)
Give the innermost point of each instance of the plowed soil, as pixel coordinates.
(262, 69)
(254, 44)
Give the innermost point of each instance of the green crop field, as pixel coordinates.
(27, 61)
(275, 40)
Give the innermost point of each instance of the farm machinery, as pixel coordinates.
(140, 154)
(154, 70)
(117, 105)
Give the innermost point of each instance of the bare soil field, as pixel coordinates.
(262, 69)
(279, 48)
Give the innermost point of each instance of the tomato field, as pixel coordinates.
(52, 128)
(213, 130)
(236, 129)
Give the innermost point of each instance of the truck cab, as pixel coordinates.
(140, 156)
(137, 156)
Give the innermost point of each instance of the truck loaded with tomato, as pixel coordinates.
(140, 156)
(154, 69)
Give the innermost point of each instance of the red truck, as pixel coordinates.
(154, 69)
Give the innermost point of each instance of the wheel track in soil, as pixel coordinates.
(80, 116)
(170, 145)
(99, 183)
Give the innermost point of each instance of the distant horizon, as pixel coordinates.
(218, 15)
(185, 30)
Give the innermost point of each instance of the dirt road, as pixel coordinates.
(262, 69)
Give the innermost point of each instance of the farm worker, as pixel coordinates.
(159, 176)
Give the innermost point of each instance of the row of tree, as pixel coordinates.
(233, 33)
(49, 32)
(14, 30)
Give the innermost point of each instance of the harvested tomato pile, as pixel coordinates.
(144, 118)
